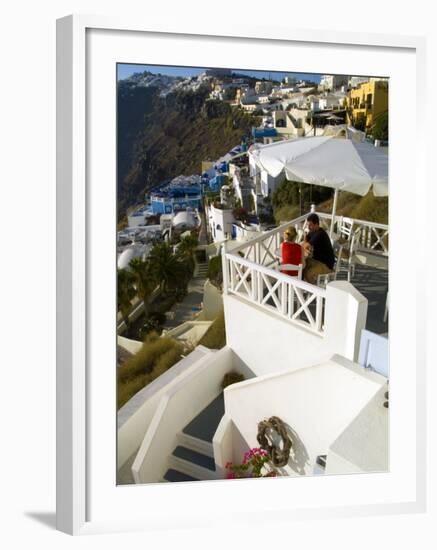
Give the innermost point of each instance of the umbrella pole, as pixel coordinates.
(334, 211)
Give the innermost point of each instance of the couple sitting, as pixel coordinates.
(316, 254)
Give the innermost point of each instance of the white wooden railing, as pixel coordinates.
(288, 297)
(249, 271)
(369, 236)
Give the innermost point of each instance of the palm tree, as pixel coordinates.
(125, 293)
(165, 265)
(186, 249)
(145, 280)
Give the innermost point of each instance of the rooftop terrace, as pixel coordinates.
(250, 273)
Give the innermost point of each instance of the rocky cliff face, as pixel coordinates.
(164, 130)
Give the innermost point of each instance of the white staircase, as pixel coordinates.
(192, 459)
(201, 270)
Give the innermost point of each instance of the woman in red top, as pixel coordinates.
(291, 252)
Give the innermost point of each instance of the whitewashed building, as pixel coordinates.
(220, 220)
(298, 347)
(333, 82)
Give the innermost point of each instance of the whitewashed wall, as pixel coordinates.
(222, 218)
(212, 301)
(282, 345)
(177, 407)
(316, 403)
(363, 446)
(134, 417)
(223, 445)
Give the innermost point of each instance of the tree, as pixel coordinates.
(230, 93)
(360, 122)
(241, 214)
(380, 127)
(166, 266)
(145, 280)
(286, 193)
(215, 274)
(290, 193)
(251, 203)
(125, 293)
(187, 248)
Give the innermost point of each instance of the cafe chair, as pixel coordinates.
(290, 267)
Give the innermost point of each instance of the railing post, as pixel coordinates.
(319, 311)
(225, 269)
(232, 273)
(254, 281)
(283, 298)
(257, 275)
(290, 300)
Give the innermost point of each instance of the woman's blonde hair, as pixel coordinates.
(290, 234)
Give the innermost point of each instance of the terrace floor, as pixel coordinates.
(373, 284)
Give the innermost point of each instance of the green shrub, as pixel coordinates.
(380, 128)
(372, 209)
(150, 325)
(288, 196)
(286, 213)
(155, 357)
(158, 317)
(369, 207)
(144, 361)
(360, 122)
(167, 360)
(215, 269)
(231, 378)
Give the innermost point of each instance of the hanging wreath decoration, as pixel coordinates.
(278, 454)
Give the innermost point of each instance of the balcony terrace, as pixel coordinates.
(249, 273)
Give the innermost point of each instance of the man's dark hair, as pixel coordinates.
(314, 218)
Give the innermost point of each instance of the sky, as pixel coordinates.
(125, 70)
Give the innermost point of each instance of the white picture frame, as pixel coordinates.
(76, 213)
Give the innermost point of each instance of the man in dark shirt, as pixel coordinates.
(320, 242)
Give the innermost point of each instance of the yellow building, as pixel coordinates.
(366, 103)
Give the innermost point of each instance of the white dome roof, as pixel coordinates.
(131, 252)
(184, 218)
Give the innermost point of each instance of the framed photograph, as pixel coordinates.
(234, 322)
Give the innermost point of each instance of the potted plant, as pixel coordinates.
(253, 465)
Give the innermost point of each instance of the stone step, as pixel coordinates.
(204, 425)
(195, 457)
(190, 469)
(175, 476)
(195, 444)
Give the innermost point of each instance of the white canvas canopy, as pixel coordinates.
(343, 164)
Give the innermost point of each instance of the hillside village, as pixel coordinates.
(204, 309)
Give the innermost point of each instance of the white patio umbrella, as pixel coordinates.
(343, 164)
